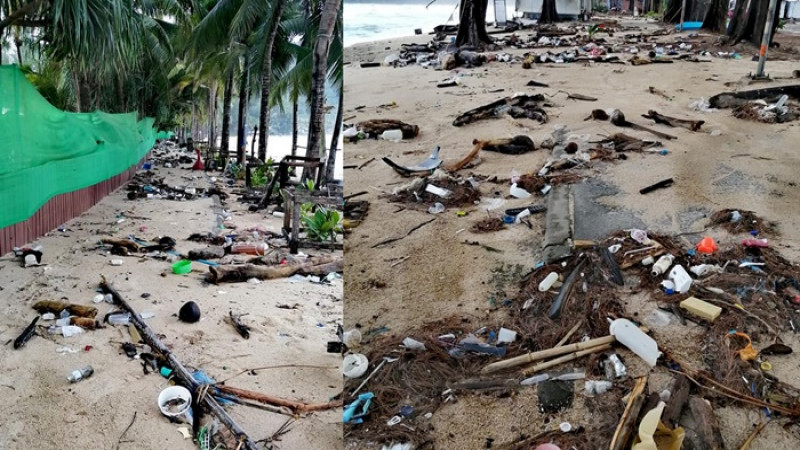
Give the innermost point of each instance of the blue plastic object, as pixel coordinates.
(690, 26)
(356, 411)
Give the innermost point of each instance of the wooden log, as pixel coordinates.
(240, 273)
(514, 146)
(179, 370)
(55, 307)
(376, 127)
(706, 424)
(618, 119)
(278, 401)
(467, 159)
(624, 430)
(542, 354)
(496, 108)
(691, 125)
(566, 358)
(677, 400)
(126, 243)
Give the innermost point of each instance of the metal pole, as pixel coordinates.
(762, 55)
(683, 13)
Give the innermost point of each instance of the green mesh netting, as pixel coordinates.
(165, 135)
(45, 151)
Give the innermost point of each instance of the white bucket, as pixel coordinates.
(182, 414)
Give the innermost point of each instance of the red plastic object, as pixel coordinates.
(707, 245)
(87, 348)
(760, 243)
(198, 165)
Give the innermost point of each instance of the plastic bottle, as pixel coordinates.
(70, 330)
(681, 279)
(662, 264)
(534, 379)
(80, 374)
(548, 282)
(119, 319)
(392, 135)
(250, 249)
(702, 270)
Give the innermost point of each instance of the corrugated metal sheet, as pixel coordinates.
(59, 210)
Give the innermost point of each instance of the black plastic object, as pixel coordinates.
(661, 184)
(26, 335)
(534, 209)
(566, 290)
(189, 312)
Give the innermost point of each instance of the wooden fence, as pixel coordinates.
(59, 210)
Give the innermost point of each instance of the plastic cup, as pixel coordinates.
(184, 413)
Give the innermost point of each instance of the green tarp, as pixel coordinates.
(45, 151)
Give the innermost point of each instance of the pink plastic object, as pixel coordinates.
(548, 447)
(760, 243)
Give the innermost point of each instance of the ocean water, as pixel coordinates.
(279, 146)
(370, 20)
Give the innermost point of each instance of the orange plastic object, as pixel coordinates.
(707, 245)
(748, 353)
(250, 249)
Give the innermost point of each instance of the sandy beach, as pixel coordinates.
(443, 273)
(285, 355)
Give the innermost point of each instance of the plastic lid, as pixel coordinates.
(355, 365)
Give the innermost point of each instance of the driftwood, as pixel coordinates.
(29, 331)
(206, 253)
(55, 307)
(179, 370)
(241, 328)
(389, 241)
(618, 119)
(625, 428)
(476, 149)
(125, 243)
(659, 92)
(523, 106)
(239, 273)
(752, 437)
(376, 127)
(733, 99)
(514, 146)
(624, 143)
(299, 407)
(706, 424)
(677, 400)
(691, 125)
(564, 359)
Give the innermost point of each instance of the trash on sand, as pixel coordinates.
(189, 312)
(662, 265)
(355, 365)
(506, 336)
(702, 270)
(413, 344)
(518, 192)
(116, 262)
(654, 435)
(755, 243)
(29, 331)
(437, 208)
(707, 245)
(636, 340)
(356, 411)
(535, 379)
(614, 367)
(747, 352)
(681, 279)
(660, 185)
(425, 166)
(701, 309)
(175, 402)
(548, 282)
(597, 387)
(80, 374)
(555, 395)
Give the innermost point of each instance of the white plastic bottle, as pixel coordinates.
(548, 282)
(392, 135)
(662, 265)
(80, 374)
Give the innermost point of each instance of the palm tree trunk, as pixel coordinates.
(266, 79)
(329, 167)
(227, 100)
(294, 127)
(212, 114)
(241, 143)
(330, 12)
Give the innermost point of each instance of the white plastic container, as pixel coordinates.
(662, 265)
(647, 261)
(681, 279)
(71, 330)
(436, 190)
(548, 282)
(518, 192)
(506, 336)
(702, 270)
(184, 412)
(392, 135)
(636, 340)
(413, 344)
(355, 365)
(351, 338)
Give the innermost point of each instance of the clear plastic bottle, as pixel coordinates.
(80, 374)
(119, 319)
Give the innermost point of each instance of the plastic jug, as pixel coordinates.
(392, 135)
(636, 340)
(681, 279)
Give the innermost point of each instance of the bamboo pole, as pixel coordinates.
(625, 427)
(566, 358)
(278, 401)
(555, 351)
(153, 341)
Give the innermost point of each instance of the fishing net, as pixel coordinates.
(46, 151)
